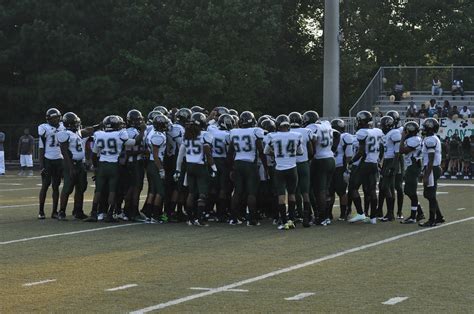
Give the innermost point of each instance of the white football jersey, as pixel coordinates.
(109, 144)
(156, 138)
(373, 139)
(344, 149)
(306, 135)
(323, 138)
(415, 143)
(48, 140)
(221, 142)
(132, 134)
(355, 148)
(76, 144)
(244, 142)
(195, 148)
(431, 144)
(175, 138)
(392, 143)
(286, 146)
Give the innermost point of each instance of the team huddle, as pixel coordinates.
(232, 168)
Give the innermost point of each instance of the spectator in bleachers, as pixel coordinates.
(398, 91)
(432, 109)
(446, 109)
(411, 110)
(377, 113)
(444, 157)
(465, 113)
(454, 114)
(457, 88)
(466, 157)
(454, 156)
(423, 112)
(436, 87)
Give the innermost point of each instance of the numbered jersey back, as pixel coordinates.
(244, 142)
(373, 139)
(75, 144)
(286, 146)
(344, 149)
(155, 138)
(109, 144)
(48, 140)
(323, 138)
(221, 142)
(174, 138)
(413, 142)
(195, 148)
(306, 135)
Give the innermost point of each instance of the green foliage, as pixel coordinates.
(108, 56)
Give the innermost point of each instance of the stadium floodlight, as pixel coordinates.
(331, 102)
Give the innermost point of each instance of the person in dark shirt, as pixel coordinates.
(423, 112)
(25, 153)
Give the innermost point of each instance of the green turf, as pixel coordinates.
(433, 269)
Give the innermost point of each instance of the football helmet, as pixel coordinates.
(296, 119)
(338, 125)
(310, 117)
(199, 119)
(134, 118)
(161, 123)
(261, 118)
(430, 126)
(268, 125)
(282, 121)
(53, 116)
(183, 116)
(225, 122)
(233, 112)
(112, 123)
(71, 121)
(152, 116)
(161, 109)
(363, 119)
(411, 128)
(386, 124)
(220, 111)
(195, 109)
(247, 120)
(395, 116)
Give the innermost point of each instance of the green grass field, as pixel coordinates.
(52, 266)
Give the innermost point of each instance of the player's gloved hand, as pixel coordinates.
(213, 171)
(176, 175)
(44, 172)
(162, 173)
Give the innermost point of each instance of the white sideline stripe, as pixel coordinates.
(462, 208)
(36, 204)
(22, 189)
(67, 233)
(395, 300)
(122, 287)
(29, 284)
(291, 268)
(209, 289)
(300, 296)
(11, 184)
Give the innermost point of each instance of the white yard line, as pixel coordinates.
(22, 189)
(29, 284)
(462, 208)
(209, 289)
(291, 268)
(300, 296)
(122, 287)
(395, 300)
(67, 233)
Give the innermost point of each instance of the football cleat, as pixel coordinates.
(420, 217)
(440, 220)
(62, 215)
(408, 221)
(92, 218)
(281, 227)
(199, 223)
(235, 222)
(41, 215)
(54, 215)
(110, 218)
(100, 217)
(290, 225)
(428, 223)
(80, 216)
(358, 217)
(253, 223)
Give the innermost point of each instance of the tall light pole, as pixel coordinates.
(331, 105)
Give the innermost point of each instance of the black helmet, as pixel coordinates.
(112, 123)
(199, 118)
(363, 118)
(310, 117)
(134, 118)
(386, 124)
(261, 118)
(338, 125)
(152, 116)
(395, 116)
(221, 110)
(183, 116)
(71, 121)
(411, 128)
(430, 126)
(233, 112)
(195, 109)
(53, 116)
(236, 120)
(282, 121)
(296, 119)
(161, 109)
(268, 125)
(225, 122)
(161, 123)
(247, 120)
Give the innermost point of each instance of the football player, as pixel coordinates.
(285, 146)
(370, 140)
(245, 146)
(431, 150)
(302, 162)
(401, 168)
(390, 164)
(197, 148)
(50, 160)
(410, 146)
(322, 167)
(267, 195)
(343, 154)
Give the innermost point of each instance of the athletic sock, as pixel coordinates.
(413, 211)
(291, 210)
(358, 205)
(343, 211)
(282, 212)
